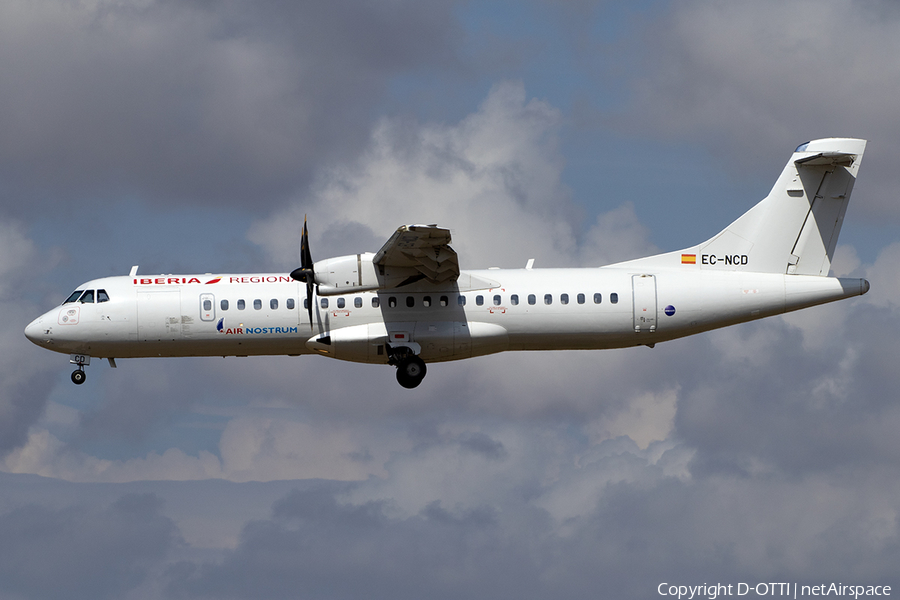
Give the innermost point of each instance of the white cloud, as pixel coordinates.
(494, 179)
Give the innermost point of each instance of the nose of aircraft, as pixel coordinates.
(34, 330)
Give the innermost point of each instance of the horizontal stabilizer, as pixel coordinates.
(828, 159)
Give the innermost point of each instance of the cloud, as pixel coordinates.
(80, 552)
(640, 530)
(24, 375)
(190, 102)
(494, 179)
(744, 78)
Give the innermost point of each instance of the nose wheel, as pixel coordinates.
(78, 376)
(79, 360)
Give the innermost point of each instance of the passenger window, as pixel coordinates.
(514, 299)
(563, 298)
(444, 301)
(392, 302)
(75, 296)
(223, 304)
(548, 298)
(376, 301)
(323, 302)
(598, 298)
(497, 300)
(357, 302)
(410, 301)
(207, 304)
(613, 298)
(341, 303)
(273, 304)
(532, 299)
(289, 303)
(257, 304)
(305, 304)
(479, 300)
(102, 296)
(580, 298)
(426, 301)
(461, 300)
(88, 297)
(241, 305)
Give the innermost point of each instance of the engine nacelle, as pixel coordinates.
(346, 275)
(360, 343)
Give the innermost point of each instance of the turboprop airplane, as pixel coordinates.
(409, 304)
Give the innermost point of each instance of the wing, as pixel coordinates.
(415, 253)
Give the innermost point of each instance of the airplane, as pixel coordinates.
(409, 304)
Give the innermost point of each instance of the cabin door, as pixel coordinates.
(644, 294)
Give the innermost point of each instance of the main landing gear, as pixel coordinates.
(411, 371)
(410, 368)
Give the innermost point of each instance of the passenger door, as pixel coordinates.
(644, 294)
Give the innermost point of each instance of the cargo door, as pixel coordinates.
(159, 316)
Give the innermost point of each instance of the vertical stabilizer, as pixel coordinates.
(793, 230)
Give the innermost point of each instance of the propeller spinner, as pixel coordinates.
(306, 271)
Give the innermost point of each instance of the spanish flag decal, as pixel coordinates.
(689, 259)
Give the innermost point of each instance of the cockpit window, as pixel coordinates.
(88, 297)
(75, 295)
(102, 296)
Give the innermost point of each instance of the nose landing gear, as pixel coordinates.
(78, 375)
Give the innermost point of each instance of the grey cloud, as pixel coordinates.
(483, 444)
(26, 375)
(745, 78)
(793, 409)
(22, 404)
(638, 535)
(78, 552)
(229, 103)
(345, 551)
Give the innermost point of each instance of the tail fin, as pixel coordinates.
(795, 228)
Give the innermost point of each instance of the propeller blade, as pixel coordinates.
(306, 271)
(306, 261)
(309, 300)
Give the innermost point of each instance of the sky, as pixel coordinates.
(193, 136)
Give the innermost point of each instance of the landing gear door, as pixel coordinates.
(644, 288)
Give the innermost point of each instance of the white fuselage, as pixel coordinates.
(527, 309)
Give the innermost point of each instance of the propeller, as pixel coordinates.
(305, 272)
